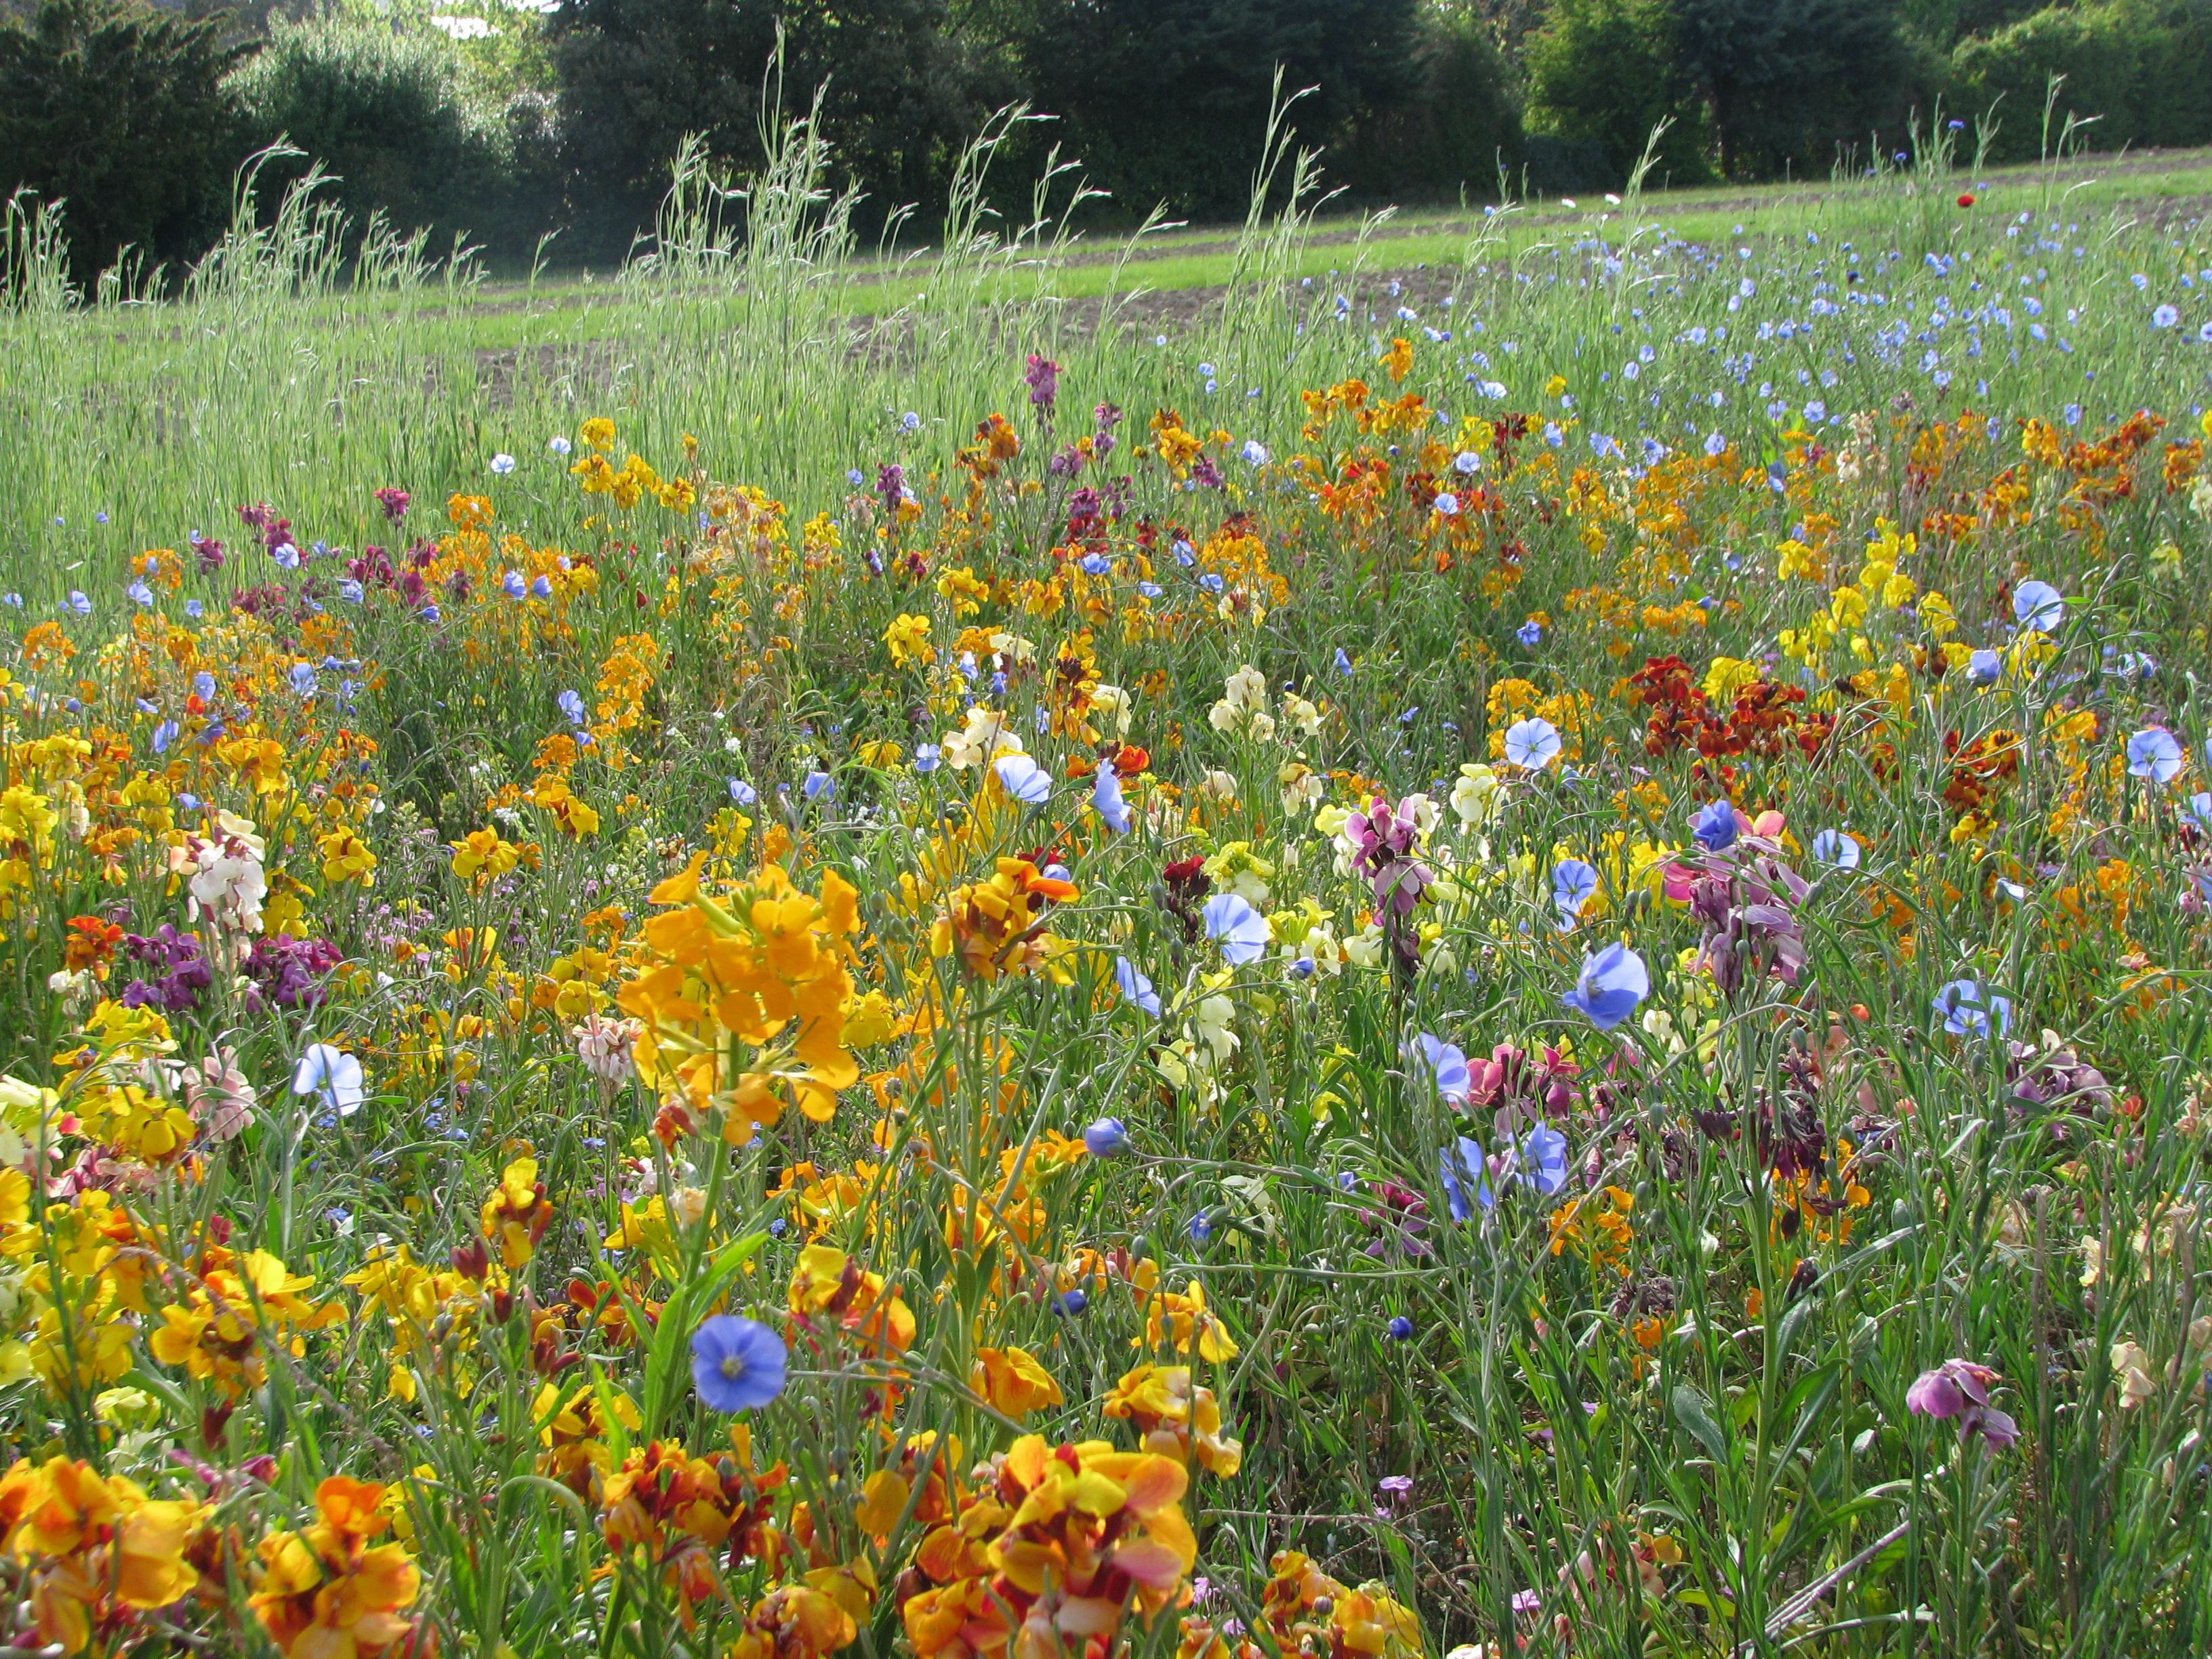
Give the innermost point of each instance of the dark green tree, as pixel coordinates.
(120, 109)
(1786, 82)
(1607, 72)
(1455, 126)
(387, 113)
(637, 76)
(1167, 101)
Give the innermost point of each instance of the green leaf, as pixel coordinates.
(1695, 1413)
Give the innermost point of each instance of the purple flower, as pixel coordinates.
(1960, 1388)
(737, 1363)
(890, 490)
(1044, 377)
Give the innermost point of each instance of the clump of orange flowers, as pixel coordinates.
(326, 1591)
(764, 967)
(997, 926)
(1051, 1551)
(516, 1215)
(673, 1513)
(1176, 1418)
(96, 1551)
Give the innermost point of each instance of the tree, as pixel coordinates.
(1456, 123)
(1167, 101)
(638, 75)
(1606, 72)
(1786, 82)
(386, 112)
(120, 110)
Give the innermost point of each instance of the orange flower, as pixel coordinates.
(1014, 1381)
(98, 1551)
(324, 1591)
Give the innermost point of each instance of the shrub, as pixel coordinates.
(388, 113)
(2143, 68)
(1786, 82)
(1207, 71)
(120, 110)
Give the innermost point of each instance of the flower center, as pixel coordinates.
(733, 1367)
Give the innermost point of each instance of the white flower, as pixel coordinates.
(1210, 1024)
(1474, 796)
(1246, 689)
(1112, 703)
(1299, 716)
(604, 1047)
(983, 738)
(688, 1204)
(1364, 948)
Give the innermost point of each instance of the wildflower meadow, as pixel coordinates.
(898, 958)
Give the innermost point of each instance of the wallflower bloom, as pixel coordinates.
(324, 1592)
(1613, 981)
(1532, 742)
(1960, 1388)
(737, 1363)
(2155, 753)
(1242, 930)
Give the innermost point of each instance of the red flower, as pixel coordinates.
(1966, 198)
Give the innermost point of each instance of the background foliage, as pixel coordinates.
(511, 123)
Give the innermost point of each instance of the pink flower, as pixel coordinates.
(1960, 1388)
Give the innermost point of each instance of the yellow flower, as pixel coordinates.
(598, 432)
(346, 858)
(909, 639)
(482, 857)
